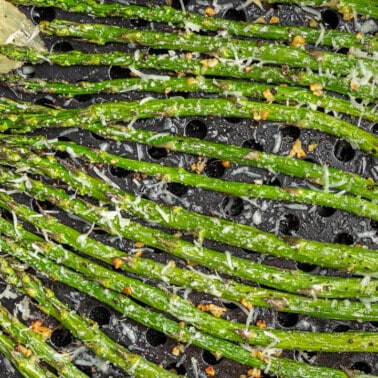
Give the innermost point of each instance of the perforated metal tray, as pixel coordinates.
(304, 221)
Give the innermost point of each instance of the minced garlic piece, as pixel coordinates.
(316, 89)
(178, 349)
(209, 62)
(268, 95)
(260, 20)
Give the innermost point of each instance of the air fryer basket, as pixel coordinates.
(306, 221)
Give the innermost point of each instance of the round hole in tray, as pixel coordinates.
(233, 119)
(374, 324)
(287, 320)
(138, 23)
(290, 132)
(118, 172)
(180, 370)
(62, 47)
(155, 338)
(343, 151)
(40, 206)
(116, 72)
(306, 267)
(177, 4)
(157, 153)
(325, 212)
(39, 14)
(209, 358)
(100, 314)
(214, 168)
(233, 14)
(27, 71)
(48, 102)
(196, 129)
(330, 19)
(61, 337)
(232, 206)
(253, 145)
(362, 366)
(82, 97)
(289, 225)
(341, 328)
(374, 224)
(177, 189)
(344, 238)
(374, 129)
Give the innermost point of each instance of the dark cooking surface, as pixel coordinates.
(302, 220)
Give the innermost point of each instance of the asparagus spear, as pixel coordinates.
(184, 310)
(235, 154)
(22, 358)
(221, 47)
(82, 328)
(123, 304)
(164, 84)
(291, 281)
(209, 67)
(197, 22)
(353, 259)
(35, 343)
(22, 157)
(122, 111)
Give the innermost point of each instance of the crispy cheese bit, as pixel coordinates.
(254, 373)
(210, 12)
(210, 371)
(257, 353)
(313, 23)
(127, 290)
(268, 95)
(359, 35)
(260, 20)
(354, 85)
(138, 244)
(178, 349)
(316, 89)
(297, 150)
(23, 350)
(226, 164)
(347, 13)
(188, 55)
(181, 324)
(261, 323)
(37, 327)
(274, 20)
(209, 62)
(298, 41)
(117, 262)
(213, 309)
(246, 304)
(261, 115)
(138, 253)
(312, 145)
(199, 166)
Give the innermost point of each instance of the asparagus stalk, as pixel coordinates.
(221, 47)
(123, 111)
(209, 67)
(184, 310)
(123, 304)
(35, 343)
(235, 154)
(353, 259)
(26, 363)
(166, 84)
(22, 157)
(194, 21)
(82, 328)
(291, 281)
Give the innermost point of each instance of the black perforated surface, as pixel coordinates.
(305, 221)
